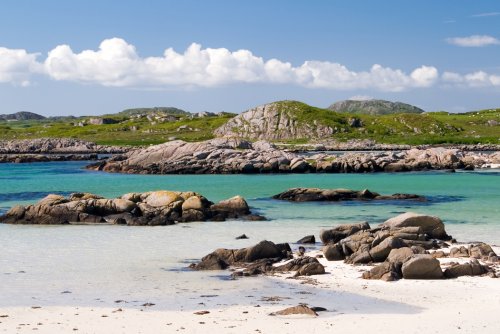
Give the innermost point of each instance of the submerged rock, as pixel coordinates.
(336, 195)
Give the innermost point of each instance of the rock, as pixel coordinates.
(480, 251)
(162, 198)
(378, 253)
(308, 239)
(151, 208)
(472, 268)
(195, 203)
(304, 266)
(340, 232)
(400, 255)
(459, 252)
(300, 309)
(431, 225)
(243, 236)
(335, 195)
(236, 204)
(210, 262)
(333, 252)
(422, 266)
(263, 250)
(386, 271)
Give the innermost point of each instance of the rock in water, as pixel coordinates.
(150, 208)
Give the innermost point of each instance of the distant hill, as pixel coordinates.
(374, 107)
(154, 110)
(21, 116)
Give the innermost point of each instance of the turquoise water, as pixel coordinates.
(466, 201)
(99, 264)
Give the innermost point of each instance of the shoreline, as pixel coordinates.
(352, 304)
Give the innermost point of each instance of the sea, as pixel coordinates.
(131, 266)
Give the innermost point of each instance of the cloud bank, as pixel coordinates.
(117, 63)
(474, 41)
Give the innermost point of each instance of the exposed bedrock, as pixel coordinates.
(150, 208)
(232, 156)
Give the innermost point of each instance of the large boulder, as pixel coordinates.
(400, 255)
(422, 266)
(236, 205)
(431, 225)
(333, 252)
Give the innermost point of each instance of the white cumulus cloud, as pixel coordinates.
(117, 63)
(474, 79)
(473, 41)
(17, 65)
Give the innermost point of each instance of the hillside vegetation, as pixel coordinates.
(283, 121)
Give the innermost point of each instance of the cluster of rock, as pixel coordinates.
(407, 246)
(336, 195)
(259, 259)
(25, 158)
(149, 208)
(55, 146)
(232, 156)
(402, 245)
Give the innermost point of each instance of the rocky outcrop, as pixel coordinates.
(274, 121)
(407, 246)
(25, 158)
(150, 208)
(374, 107)
(336, 195)
(233, 156)
(216, 156)
(55, 146)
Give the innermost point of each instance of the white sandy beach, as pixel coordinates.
(463, 305)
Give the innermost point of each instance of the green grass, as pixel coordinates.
(116, 134)
(413, 129)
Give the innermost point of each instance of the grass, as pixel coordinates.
(412, 129)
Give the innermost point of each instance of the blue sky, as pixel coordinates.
(95, 57)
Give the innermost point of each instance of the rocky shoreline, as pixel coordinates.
(27, 158)
(409, 246)
(67, 146)
(136, 209)
(233, 156)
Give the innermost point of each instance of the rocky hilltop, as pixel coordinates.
(284, 120)
(21, 116)
(374, 107)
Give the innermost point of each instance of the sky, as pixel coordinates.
(95, 57)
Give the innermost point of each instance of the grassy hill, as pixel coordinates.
(131, 131)
(402, 128)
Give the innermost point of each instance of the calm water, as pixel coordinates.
(100, 264)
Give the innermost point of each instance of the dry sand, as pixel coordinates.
(463, 305)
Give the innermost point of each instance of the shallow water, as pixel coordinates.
(100, 264)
